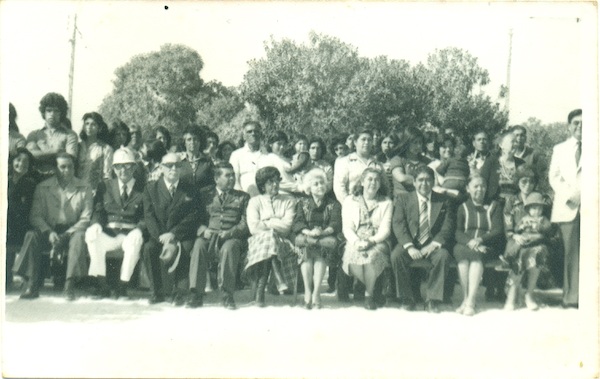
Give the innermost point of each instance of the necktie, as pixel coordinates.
(124, 195)
(423, 224)
(222, 197)
(172, 190)
(578, 152)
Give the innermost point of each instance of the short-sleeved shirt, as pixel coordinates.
(47, 139)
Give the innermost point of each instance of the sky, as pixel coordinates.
(551, 43)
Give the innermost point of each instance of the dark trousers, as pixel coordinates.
(229, 255)
(29, 262)
(161, 281)
(401, 262)
(570, 236)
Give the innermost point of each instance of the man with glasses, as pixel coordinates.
(172, 217)
(565, 178)
(246, 160)
(118, 222)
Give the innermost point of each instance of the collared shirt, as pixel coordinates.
(129, 185)
(347, 172)
(46, 139)
(477, 159)
(245, 163)
(171, 184)
(422, 199)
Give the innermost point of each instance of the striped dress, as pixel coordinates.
(479, 221)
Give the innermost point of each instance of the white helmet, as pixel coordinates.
(123, 155)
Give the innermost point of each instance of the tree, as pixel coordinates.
(157, 88)
(218, 107)
(452, 80)
(303, 88)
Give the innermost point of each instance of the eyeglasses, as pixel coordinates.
(122, 166)
(171, 166)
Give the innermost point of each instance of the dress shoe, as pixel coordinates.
(432, 306)
(155, 299)
(178, 300)
(194, 300)
(121, 290)
(29, 294)
(69, 290)
(370, 303)
(228, 302)
(407, 304)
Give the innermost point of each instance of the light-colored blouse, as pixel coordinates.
(266, 213)
(381, 218)
(95, 163)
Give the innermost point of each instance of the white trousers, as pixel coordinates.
(99, 243)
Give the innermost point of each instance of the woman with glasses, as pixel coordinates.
(270, 216)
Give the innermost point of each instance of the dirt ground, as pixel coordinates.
(50, 337)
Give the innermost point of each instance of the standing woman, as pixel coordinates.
(367, 218)
(162, 134)
(479, 234)
(21, 186)
(224, 150)
(277, 143)
(404, 166)
(119, 135)
(196, 168)
(270, 217)
(388, 151)
(317, 224)
(316, 151)
(500, 172)
(95, 152)
(348, 169)
(211, 145)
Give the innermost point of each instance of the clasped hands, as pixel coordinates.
(424, 252)
(476, 244)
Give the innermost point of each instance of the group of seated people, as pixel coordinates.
(260, 215)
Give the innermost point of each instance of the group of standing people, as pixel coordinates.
(367, 213)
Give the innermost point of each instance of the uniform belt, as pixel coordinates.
(121, 225)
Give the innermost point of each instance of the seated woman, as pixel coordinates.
(270, 216)
(21, 186)
(479, 230)
(526, 248)
(366, 218)
(95, 153)
(317, 224)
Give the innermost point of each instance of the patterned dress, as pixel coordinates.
(273, 242)
(373, 221)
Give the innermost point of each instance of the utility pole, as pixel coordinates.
(510, 37)
(72, 68)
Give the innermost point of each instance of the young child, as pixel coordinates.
(300, 159)
(523, 248)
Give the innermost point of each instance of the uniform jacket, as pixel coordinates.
(108, 206)
(405, 221)
(231, 215)
(565, 178)
(47, 202)
(179, 215)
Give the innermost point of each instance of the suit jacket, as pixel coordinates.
(179, 215)
(565, 178)
(231, 215)
(47, 205)
(202, 176)
(405, 221)
(108, 206)
(490, 173)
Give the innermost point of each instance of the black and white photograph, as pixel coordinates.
(328, 189)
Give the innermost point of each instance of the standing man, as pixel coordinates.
(221, 236)
(245, 160)
(480, 152)
(172, 219)
(118, 222)
(61, 211)
(423, 226)
(523, 151)
(54, 137)
(565, 178)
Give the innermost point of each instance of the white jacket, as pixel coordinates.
(565, 178)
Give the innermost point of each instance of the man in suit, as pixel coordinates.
(480, 152)
(172, 217)
(565, 178)
(118, 222)
(60, 213)
(422, 225)
(221, 234)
